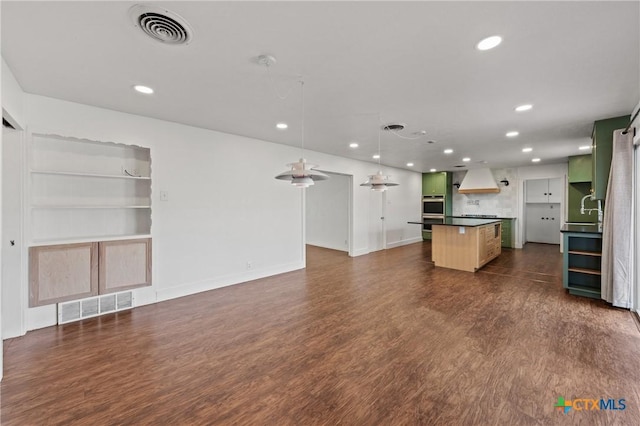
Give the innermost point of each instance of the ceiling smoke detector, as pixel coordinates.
(161, 24)
(393, 127)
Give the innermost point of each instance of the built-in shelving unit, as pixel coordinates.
(582, 263)
(82, 190)
(90, 218)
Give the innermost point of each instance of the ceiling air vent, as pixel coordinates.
(161, 24)
(393, 127)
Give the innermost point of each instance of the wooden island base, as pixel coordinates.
(466, 248)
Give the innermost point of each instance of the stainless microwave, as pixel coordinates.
(433, 205)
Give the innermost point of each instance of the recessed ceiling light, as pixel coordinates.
(432, 170)
(282, 126)
(143, 89)
(376, 156)
(466, 159)
(585, 147)
(512, 134)
(353, 145)
(489, 43)
(409, 164)
(448, 151)
(527, 149)
(535, 160)
(525, 107)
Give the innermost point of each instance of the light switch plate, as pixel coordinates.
(164, 196)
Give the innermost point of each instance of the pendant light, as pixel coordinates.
(379, 182)
(302, 174)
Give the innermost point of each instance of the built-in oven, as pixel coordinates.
(429, 220)
(433, 205)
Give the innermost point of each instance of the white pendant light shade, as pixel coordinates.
(379, 182)
(302, 174)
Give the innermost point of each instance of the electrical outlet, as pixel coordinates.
(249, 265)
(164, 196)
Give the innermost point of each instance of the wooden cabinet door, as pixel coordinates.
(62, 272)
(124, 265)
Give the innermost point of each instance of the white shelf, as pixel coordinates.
(79, 191)
(55, 241)
(71, 207)
(82, 174)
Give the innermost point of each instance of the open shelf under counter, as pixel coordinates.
(86, 174)
(582, 260)
(89, 239)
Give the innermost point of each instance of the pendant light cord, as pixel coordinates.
(302, 125)
(273, 84)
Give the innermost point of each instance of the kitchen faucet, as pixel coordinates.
(599, 209)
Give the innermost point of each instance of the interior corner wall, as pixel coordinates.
(215, 220)
(12, 98)
(327, 213)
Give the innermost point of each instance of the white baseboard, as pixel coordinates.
(41, 317)
(211, 284)
(360, 252)
(404, 242)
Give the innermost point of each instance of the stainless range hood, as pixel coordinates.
(479, 181)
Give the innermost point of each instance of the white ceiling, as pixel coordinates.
(410, 62)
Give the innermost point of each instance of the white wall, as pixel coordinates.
(327, 213)
(217, 219)
(502, 204)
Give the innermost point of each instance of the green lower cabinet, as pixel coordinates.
(581, 271)
(507, 233)
(426, 235)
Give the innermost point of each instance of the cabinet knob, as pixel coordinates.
(545, 193)
(542, 218)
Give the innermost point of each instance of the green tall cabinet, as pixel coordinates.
(602, 147)
(438, 183)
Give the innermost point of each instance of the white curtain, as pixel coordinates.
(617, 235)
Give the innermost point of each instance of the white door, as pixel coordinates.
(555, 190)
(377, 201)
(537, 191)
(12, 292)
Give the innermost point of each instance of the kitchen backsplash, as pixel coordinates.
(502, 204)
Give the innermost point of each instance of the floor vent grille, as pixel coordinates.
(94, 306)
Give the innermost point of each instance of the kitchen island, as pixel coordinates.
(466, 244)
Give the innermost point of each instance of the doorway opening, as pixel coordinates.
(328, 208)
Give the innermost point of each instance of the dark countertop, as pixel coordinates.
(466, 221)
(585, 229)
(483, 217)
(416, 223)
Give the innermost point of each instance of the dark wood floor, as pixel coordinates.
(385, 338)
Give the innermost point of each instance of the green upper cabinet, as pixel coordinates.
(434, 183)
(602, 146)
(580, 169)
